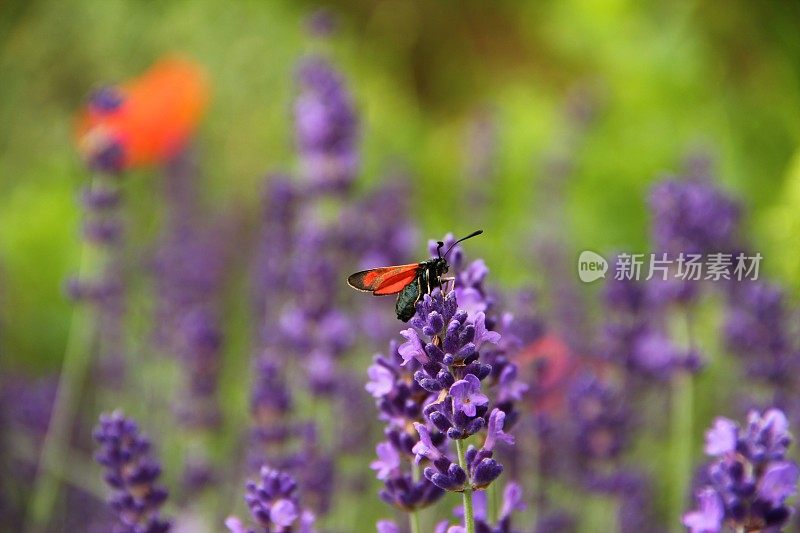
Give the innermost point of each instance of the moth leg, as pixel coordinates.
(447, 284)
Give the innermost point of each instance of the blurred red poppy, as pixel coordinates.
(146, 120)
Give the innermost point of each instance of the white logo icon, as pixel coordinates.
(591, 266)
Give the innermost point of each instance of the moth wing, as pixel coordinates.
(384, 280)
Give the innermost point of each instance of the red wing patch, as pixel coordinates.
(384, 280)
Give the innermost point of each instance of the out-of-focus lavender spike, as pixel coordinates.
(400, 400)
(321, 23)
(556, 521)
(274, 505)
(275, 243)
(104, 228)
(132, 473)
(326, 127)
(693, 216)
(445, 343)
(749, 477)
(757, 331)
(633, 335)
(600, 420)
(189, 270)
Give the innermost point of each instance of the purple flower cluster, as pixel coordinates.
(749, 478)
(693, 216)
(189, 273)
(326, 127)
(132, 473)
(400, 401)
(634, 335)
(757, 330)
(600, 419)
(303, 321)
(446, 345)
(274, 505)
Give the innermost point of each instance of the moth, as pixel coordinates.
(409, 282)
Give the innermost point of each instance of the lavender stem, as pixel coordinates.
(77, 356)
(469, 515)
(491, 500)
(681, 412)
(413, 516)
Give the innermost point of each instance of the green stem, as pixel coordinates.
(54, 453)
(681, 432)
(469, 514)
(492, 504)
(413, 516)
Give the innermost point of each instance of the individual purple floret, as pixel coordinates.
(387, 526)
(749, 477)
(326, 127)
(132, 473)
(274, 506)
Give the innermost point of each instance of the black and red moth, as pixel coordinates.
(409, 282)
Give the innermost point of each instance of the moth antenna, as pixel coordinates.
(471, 235)
(439, 248)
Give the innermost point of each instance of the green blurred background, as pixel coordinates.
(662, 79)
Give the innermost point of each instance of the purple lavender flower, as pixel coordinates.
(757, 331)
(387, 526)
(274, 505)
(467, 395)
(640, 347)
(749, 477)
(388, 461)
(709, 515)
(321, 23)
(451, 364)
(400, 401)
(693, 216)
(132, 474)
(601, 421)
(425, 448)
(189, 271)
(556, 522)
(722, 437)
(494, 431)
(381, 380)
(327, 127)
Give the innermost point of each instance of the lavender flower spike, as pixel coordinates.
(133, 475)
(274, 504)
(749, 478)
(326, 127)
